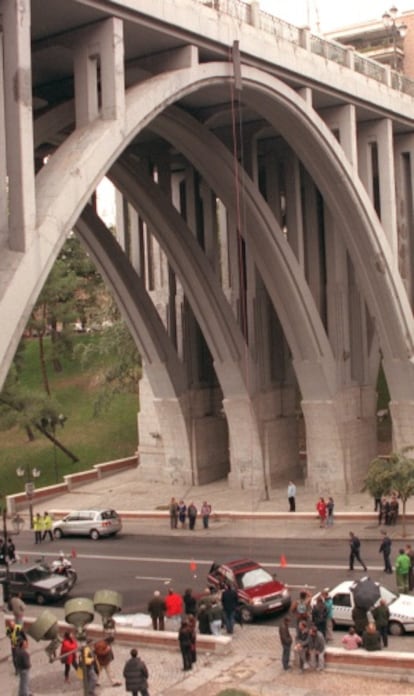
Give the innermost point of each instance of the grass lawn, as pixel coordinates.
(92, 439)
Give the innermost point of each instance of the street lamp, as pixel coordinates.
(29, 486)
(79, 612)
(397, 31)
(17, 525)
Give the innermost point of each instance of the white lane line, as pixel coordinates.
(154, 559)
(152, 577)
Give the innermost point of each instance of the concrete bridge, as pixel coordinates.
(264, 250)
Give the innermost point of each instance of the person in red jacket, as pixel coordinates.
(67, 655)
(321, 508)
(174, 607)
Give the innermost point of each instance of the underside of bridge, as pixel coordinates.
(263, 250)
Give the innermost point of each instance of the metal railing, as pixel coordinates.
(330, 50)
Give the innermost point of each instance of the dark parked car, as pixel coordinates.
(35, 582)
(259, 592)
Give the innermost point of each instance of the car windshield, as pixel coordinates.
(254, 577)
(388, 595)
(35, 574)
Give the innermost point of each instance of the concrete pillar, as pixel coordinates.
(248, 468)
(404, 172)
(380, 134)
(18, 117)
(280, 426)
(294, 216)
(99, 61)
(4, 196)
(340, 441)
(402, 414)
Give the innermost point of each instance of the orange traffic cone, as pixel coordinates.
(283, 562)
(193, 566)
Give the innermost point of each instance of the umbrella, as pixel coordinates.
(366, 593)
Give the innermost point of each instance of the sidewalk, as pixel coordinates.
(254, 663)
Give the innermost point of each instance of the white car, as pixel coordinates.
(401, 607)
(93, 523)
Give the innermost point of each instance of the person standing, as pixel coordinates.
(136, 675)
(23, 664)
(15, 634)
(68, 654)
(47, 526)
(11, 551)
(192, 515)
(381, 614)
(230, 602)
(104, 656)
(205, 513)
(360, 619)
(291, 494)
(330, 505)
(355, 551)
(190, 602)
(410, 553)
(320, 615)
(203, 620)
(316, 647)
(173, 509)
(321, 509)
(286, 642)
(156, 610)
(385, 549)
(182, 513)
(402, 570)
(38, 528)
(174, 607)
(185, 638)
(329, 613)
(216, 617)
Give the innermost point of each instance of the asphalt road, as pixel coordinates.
(135, 565)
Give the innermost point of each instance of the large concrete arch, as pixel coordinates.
(64, 185)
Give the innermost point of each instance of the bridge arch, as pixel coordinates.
(65, 184)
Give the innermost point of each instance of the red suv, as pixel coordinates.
(259, 592)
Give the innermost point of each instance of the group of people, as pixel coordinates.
(89, 661)
(325, 510)
(404, 563)
(313, 628)
(388, 509)
(43, 527)
(180, 513)
(212, 610)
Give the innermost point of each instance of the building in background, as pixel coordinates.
(388, 39)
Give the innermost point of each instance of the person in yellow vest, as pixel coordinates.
(38, 527)
(47, 526)
(15, 633)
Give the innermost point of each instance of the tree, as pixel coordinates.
(396, 473)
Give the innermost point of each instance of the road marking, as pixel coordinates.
(152, 559)
(152, 577)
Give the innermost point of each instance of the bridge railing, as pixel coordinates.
(331, 50)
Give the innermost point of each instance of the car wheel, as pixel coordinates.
(58, 533)
(94, 534)
(396, 629)
(40, 599)
(246, 614)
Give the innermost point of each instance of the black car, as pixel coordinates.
(34, 582)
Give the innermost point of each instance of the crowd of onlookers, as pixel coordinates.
(181, 514)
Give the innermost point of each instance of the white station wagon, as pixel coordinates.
(93, 523)
(401, 607)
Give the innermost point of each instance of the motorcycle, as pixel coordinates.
(62, 566)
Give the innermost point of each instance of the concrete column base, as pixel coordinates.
(340, 441)
(402, 414)
(246, 452)
(280, 427)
